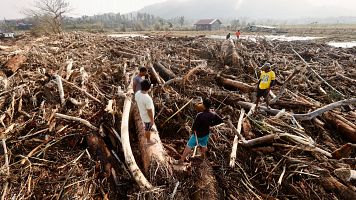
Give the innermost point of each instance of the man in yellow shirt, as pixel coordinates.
(266, 81)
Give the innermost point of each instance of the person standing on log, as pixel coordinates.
(228, 36)
(146, 109)
(266, 81)
(238, 33)
(142, 75)
(201, 129)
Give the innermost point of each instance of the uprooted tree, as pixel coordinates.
(49, 15)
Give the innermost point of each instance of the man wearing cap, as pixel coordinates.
(266, 81)
(201, 130)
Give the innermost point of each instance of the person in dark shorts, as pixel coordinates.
(201, 130)
(146, 109)
(266, 81)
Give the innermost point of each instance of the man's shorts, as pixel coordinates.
(262, 92)
(148, 126)
(202, 141)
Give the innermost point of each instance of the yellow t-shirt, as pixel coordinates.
(266, 79)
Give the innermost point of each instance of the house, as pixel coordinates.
(208, 24)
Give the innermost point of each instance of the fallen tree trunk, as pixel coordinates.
(344, 128)
(98, 148)
(306, 116)
(125, 141)
(14, 63)
(243, 87)
(155, 158)
(237, 135)
(332, 184)
(229, 54)
(319, 111)
(155, 78)
(292, 104)
(165, 73)
(205, 183)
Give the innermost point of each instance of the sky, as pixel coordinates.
(10, 9)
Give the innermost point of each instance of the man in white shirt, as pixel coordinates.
(146, 108)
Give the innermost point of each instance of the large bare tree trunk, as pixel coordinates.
(165, 73)
(155, 158)
(125, 140)
(332, 184)
(205, 183)
(344, 128)
(243, 87)
(229, 54)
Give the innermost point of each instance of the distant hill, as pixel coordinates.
(257, 9)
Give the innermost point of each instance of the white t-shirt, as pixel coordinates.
(144, 102)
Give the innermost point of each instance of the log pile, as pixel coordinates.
(69, 127)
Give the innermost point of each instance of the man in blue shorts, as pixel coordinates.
(201, 130)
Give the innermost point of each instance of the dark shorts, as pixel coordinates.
(262, 93)
(148, 126)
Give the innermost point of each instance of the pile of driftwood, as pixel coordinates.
(70, 128)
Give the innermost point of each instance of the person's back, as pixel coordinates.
(203, 121)
(144, 102)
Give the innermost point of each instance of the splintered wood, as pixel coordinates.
(70, 128)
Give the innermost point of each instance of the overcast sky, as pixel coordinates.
(12, 8)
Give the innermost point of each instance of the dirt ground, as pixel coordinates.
(48, 154)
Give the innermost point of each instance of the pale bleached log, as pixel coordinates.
(130, 161)
(345, 174)
(77, 119)
(238, 134)
(306, 116)
(60, 88)
(319, 111)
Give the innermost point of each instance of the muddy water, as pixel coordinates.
(343, 44)
(127, 35)
(268, 37)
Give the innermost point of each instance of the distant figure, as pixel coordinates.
(228, 36)
(238, 33)
(139, 78)
(266, 81)
(201, 131)
(146, 108)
